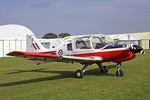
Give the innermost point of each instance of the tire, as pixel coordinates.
(119, 73)
(105, 69)
(79, 74)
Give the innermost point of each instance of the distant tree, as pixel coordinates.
(49, 36)
(62, 35)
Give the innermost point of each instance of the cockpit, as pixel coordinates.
(90, 42)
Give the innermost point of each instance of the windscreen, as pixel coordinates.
(98, 42)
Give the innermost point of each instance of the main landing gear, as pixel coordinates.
(80, 73)
(119, 72)
(104, 69)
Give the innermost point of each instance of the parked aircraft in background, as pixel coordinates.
(86, 50)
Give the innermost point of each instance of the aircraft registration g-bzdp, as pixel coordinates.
(86, 50)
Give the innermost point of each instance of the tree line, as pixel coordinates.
(53, 35)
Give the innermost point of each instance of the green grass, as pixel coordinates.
(21, 80)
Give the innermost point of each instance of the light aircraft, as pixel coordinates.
(86, 50)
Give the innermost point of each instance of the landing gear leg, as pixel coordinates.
(119, 72)
(80, 73)
(103, 69)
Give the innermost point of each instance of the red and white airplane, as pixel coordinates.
(86, 50)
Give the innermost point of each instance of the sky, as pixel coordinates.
(77, 16)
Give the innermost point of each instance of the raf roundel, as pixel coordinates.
(60, 52)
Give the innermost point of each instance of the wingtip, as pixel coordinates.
(10, 53)
(14, 53)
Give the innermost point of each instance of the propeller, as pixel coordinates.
(136, 49)
(142, 52)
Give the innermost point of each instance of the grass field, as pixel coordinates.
(21, 80)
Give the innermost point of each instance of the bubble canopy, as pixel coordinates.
(90, 42)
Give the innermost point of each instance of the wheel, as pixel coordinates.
(119, 73)
(104, 69)
(79, 74)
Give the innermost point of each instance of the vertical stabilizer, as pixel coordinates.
(33, 45)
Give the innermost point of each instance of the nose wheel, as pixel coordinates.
(119, 72)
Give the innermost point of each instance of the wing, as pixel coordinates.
(51, 57)
(32, 55)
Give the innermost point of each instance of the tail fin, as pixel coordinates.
(33, 45)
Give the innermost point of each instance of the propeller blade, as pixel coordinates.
(142, 52)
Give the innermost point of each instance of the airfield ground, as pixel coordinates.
(21, 80)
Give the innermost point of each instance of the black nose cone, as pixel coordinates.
(136, 49)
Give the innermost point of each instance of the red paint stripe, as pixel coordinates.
(37, 45)
(48, 52)
(20, 53)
